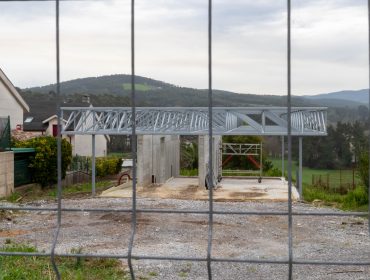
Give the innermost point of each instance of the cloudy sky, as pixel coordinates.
(329, 40)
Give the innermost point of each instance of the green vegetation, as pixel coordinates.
(355, 200)
(189, 172)
(108, 91)
(308, 172)
(119, 154)
(345, 142)
(364, 169)
(81, 189)
(138, 87)
(104, 166)
(108, 166)
(43, 165)
(39, 268)
(35, 192)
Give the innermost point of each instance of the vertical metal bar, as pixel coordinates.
(289, 107)
(133, 141)
(59, 144)
(368, 13)
(210, 139)
(300, 187)
(282, 156)
(93, 166)
(261, 165)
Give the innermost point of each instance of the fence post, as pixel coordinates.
(93, 166)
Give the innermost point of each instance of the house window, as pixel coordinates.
(28, 119)
(55, 130)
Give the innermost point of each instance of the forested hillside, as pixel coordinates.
(115, 90)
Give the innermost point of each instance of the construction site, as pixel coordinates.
(192, 198)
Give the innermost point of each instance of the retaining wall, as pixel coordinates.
(6, 173)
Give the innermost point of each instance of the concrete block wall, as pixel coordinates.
(203, 158)
(6, 173)
(158, 157)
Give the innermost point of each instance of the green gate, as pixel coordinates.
(22, 160)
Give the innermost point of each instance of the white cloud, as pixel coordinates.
(329, 43)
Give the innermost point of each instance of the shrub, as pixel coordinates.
(273, 172)
(356, 198)
(267, 165)
(108, 166)
(43, 165)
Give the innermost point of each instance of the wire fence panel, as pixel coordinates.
(341, 182)
(134, 210)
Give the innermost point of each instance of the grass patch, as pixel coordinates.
(35, 192)
(120, 155)
(189, 172)
(138, 87)
(39, 268)
(308, 172)
(355, 200)
(82, 188)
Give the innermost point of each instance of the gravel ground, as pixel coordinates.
(257, 237)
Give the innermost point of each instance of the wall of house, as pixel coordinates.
(82, 145)
(158, 158)
(10, 107)
(6, 173)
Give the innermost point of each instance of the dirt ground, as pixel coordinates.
(256, 237)
(229, 189)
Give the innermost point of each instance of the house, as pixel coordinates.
(11, 102)
(81, 144)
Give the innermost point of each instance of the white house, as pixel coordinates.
(11, 102)
(81, 144)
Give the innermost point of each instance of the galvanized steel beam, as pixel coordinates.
(305, 121)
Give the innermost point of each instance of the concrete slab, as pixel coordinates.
(230, 189)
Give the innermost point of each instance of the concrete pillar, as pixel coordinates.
(93, 166)
(300, 169)
(203, 158)
(145, 153)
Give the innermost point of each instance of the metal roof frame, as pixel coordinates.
(305, 121)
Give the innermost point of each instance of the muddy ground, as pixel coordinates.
(255, 237)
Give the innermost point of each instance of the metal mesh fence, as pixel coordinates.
(341, 181)
(134, 210)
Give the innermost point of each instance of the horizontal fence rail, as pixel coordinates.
(290, 121)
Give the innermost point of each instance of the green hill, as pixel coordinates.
(115, 90)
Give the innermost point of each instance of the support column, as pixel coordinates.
(93, 166)
(300, 168)
(282, 156)
(203, 157)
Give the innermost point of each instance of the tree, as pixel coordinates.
(363, 169)
(363, 112)
(189, 153)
